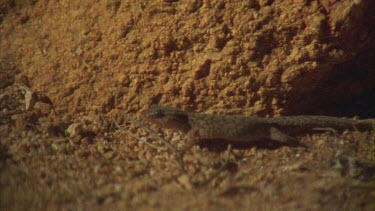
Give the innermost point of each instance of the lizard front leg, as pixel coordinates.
(192, 138)
(277, 135)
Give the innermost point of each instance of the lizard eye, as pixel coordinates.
(158, 114)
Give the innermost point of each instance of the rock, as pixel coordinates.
(74, 130)
(21, 121)
(43, 107)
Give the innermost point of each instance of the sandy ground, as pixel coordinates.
(71, 71)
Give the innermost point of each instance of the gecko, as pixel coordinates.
(241, 128)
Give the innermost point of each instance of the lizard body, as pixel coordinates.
(200, 126)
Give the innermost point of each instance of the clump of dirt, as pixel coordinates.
(70, 71)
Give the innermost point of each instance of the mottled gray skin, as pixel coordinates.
(246, 128)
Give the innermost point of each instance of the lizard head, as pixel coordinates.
(167, 117)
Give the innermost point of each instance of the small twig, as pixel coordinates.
(136, 137)
(222, 167)
(178, 154)
(151, 132)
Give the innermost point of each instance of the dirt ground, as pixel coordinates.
(71, 72)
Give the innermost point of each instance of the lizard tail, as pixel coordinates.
(365, 125)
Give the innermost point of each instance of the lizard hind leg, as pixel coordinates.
(277, 135)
